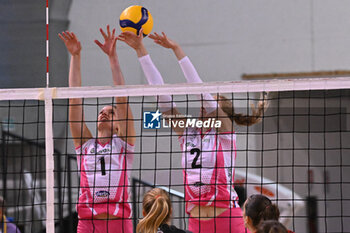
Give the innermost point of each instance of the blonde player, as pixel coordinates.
(208, 153)
(157, 209)
(104, 162)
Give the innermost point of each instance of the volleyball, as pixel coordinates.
(134, 18)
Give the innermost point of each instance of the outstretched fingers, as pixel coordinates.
(108, 31)
(159, 39)
(164, 36)
(71, 42)
(121, 37)
(66, 36)
(155, 36)
(124, 35)
(140, 33)
(98, 43)
(62, 37)
(74, 36)
(69, 35)
(103, 34)
(109, 34)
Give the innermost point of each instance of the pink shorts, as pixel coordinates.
(105, 226)
(229, 221)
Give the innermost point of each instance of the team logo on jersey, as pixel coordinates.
(103, 151)
(151, 120)
(190, 144)
(102, 193)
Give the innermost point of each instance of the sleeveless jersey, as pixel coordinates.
(208, 161)
(104, 178)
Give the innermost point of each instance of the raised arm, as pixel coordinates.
(165, 42)
(126, 128)
(152, 74)
(78, 128)
(209, 103)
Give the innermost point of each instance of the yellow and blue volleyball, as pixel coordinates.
(134, 18)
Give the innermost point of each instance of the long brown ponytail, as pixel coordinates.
(241, 119)
(271, 226)
(259, 208)
(157, 209)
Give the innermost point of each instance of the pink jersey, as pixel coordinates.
(104, 178)
(208, 161)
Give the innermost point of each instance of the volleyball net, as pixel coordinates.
(296, 155)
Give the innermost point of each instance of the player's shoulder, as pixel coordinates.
(86, 145)
(189, 134)
(118, 141)
(229, 135)
(191, 130)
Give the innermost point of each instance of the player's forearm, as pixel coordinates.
(179, 53)
(75, 71)
(190, 72)
(154, 77)
(151, 72)
(141, 51)
(118, 78)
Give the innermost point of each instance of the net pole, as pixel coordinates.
(50, 198)
(47, 44)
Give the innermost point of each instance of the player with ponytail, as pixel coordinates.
(156, 209)
(271, 226)
(257, 209)
(209, 154)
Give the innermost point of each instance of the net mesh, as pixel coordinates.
(23, 164)
(296, 156)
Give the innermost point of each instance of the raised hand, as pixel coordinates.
(131, 39)
(109, 45)
(71, 41)
(134, 41)
(163, 40)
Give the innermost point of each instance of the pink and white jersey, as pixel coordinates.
(208, 161)
(104, 184)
